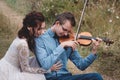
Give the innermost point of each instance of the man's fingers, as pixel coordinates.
(76, 42)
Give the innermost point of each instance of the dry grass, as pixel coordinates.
(9, 25)
(102, 18)
(5, 37)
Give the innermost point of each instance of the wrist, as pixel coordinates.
(49, 71)
(63, 45)
(94, 51)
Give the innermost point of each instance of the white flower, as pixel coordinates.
(117, 17)
(110, 20)
(47, 10)
(56, 14)
(52, 6)
(112, 10)
(109, 10)
(106, 33)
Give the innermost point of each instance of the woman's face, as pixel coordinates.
(39, 29)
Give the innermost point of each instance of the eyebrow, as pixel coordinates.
(65, 29)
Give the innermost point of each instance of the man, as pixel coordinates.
(49, 51)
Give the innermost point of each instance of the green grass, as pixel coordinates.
(101, 19)
(6, 35)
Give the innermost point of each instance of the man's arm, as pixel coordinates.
(82, 63)
(46, 57)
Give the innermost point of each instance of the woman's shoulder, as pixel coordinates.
(18, 41)
(21, 40)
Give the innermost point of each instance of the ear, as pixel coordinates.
(29, 28)
(57, 22)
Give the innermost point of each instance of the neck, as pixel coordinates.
(53, 28)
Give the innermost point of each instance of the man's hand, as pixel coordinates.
(95, 45)
(72, 44)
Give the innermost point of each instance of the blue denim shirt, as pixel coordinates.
(48, 52)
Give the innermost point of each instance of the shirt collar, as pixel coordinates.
(51, 33)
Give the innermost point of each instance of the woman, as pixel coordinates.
(17, 64)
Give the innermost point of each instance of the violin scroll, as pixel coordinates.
(108, 41)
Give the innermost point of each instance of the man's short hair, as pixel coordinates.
(66, 16)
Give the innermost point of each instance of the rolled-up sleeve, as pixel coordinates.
(82, 63)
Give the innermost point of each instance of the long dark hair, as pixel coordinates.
(31, 20)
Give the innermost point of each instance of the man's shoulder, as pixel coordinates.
(44, 35)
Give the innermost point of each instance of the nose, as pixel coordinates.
(41, 31)
(65, 33)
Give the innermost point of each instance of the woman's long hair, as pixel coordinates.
(31, 20)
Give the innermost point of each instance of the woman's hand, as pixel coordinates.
(56, 66)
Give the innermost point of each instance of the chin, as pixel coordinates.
(60, 35)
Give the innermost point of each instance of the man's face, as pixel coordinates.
(64, 29)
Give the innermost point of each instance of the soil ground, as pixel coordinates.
(16, 18)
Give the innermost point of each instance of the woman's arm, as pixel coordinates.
(23, 56)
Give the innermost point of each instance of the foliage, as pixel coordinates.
(21, 6)
(101, 18)
(5, 35)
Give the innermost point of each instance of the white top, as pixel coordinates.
(18, 65)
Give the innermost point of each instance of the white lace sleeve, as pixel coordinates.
(23, 57)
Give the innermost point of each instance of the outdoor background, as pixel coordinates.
(101, 19)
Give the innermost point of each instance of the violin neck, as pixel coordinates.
(106, 40)
(89, 38)
(86, 37)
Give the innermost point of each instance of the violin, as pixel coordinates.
(84, 39)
